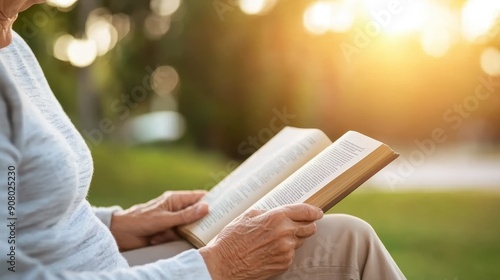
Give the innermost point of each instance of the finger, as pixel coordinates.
(181, 199)
(301, 212)
(299, 243)
(186, 216)
(305, 230)
(164, 237)
(254, 212)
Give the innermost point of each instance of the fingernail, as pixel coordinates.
(200, 208)
(321, 212)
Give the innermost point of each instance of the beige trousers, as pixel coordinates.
(344, 247)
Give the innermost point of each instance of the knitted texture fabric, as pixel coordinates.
(58, 235)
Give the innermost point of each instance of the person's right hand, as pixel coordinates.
(259, 244)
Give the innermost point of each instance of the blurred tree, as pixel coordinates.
(89, 107)
(236, 72)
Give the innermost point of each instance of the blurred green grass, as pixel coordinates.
(125, 176)
(452, 235)
(431, 235)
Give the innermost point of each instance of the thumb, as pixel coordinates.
(188, 215)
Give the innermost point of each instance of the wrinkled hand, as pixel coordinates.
(153, 222)
(258, 244)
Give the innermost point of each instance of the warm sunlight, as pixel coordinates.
(82, 52)
(156, 26)
(478, 17)
(436, 42)
(79, 52)
(61, 47)
(61, 3)
(102, 33)
(253, 7)
(490, 61)
(440, 30)
(439, 25)
(164, 80)
(164, 7)
(317, 17)
(411, 18)
(328, 15)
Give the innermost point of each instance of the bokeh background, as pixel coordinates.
(172, 94)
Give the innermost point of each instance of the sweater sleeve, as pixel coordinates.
(105, 213)
(188, 265)
(16, 264)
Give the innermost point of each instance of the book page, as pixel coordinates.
(348, 150)
(257, 176)
(284, 137)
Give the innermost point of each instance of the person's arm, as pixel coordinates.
(188, 265)
(105, 214)
(15, 264)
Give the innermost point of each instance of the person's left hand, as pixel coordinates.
(153, 222)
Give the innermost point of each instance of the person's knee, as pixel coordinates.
(340, 242)
(346, 224)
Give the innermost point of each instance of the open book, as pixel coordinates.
(295, 166)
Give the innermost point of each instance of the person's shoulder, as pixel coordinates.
(18, 53)
(19, 43)
(9, 53)
(11, 100)
(6, 79)
(9, 94)
(10, 105)
(13, 57)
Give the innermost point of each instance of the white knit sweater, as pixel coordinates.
(58, 235)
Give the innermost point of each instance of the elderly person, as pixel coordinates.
(50, 231)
